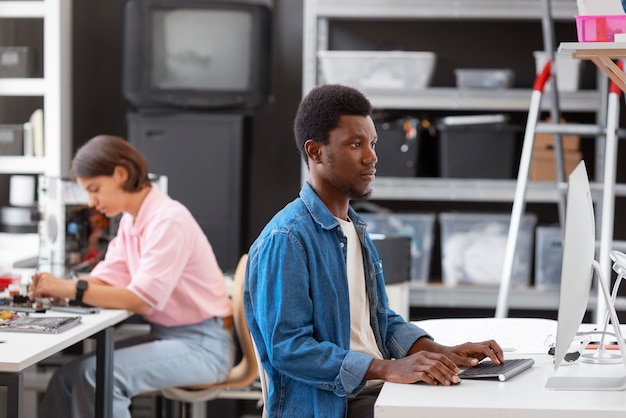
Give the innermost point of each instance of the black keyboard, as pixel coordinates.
(502, 372)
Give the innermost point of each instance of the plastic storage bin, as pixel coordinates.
(16, 61)
(548, 257)
(11, 139)
(484, 78)
(477, 150)
(417, 226)
(395, 253)
(386, 72)
(567, 70)
(473, 247)
(600, 28)
(397, 150)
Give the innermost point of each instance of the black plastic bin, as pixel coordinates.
(478, 150)
(395, 253)
(396, 150)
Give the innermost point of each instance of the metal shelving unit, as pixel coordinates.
(481, 297)
(54, 87)
(469, 190)
(450, 98)
(318, 16)
(442, 9)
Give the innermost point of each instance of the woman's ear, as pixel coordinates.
(120, 173)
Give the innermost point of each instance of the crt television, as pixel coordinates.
(578, 267)
(196, 54)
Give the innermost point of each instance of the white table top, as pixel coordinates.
(21, 350)
(522, 396)
(602, 55)
(510, 333)
(576, 46)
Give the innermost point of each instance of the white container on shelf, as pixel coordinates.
(599, 7)
(548, 257)
(482, 78)
(417, 226)
(473, 246)
(567, 70)
(386, 72)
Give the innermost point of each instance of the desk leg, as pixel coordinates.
(104, 373)
(14, 382)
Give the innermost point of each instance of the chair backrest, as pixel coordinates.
(246, 371)
(263, 379)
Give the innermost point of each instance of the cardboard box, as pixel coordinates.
(545, 141)
(542, 166)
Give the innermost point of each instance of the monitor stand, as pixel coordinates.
(596, 383)
(586, 383)
(601, 356)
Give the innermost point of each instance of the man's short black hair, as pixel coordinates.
(320, 110)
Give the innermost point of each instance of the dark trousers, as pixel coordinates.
(362, 405)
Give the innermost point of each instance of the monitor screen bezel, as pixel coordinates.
(579, 242)
(137, 60)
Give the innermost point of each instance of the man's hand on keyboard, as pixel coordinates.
(469, 354)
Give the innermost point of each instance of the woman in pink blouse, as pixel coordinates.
(161, 266)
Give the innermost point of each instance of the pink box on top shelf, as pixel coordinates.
(600, 28)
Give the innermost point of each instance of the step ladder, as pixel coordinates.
(609, 132)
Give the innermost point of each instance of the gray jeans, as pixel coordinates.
(169, 356)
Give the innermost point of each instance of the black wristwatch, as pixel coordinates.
(81, 286)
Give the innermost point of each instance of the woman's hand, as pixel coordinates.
(48, 285)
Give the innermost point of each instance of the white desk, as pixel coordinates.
(21, 350)
(523, 396)
(602, 54)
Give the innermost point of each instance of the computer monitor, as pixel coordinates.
(578, 267)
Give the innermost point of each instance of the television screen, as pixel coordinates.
(205, 50)
(196, 53)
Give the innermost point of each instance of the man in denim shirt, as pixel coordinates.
(314, 293)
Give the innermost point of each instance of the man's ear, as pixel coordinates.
(313, 150)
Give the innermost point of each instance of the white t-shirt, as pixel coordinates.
(361, 334)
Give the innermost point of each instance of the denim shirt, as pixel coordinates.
(297, 307)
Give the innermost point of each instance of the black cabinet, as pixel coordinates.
(201, 154)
